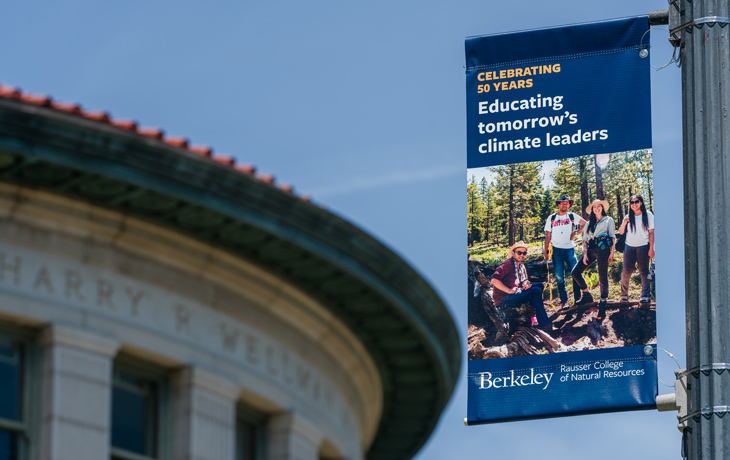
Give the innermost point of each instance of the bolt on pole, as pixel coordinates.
(704, 30)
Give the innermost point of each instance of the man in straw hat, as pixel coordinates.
(512, 288)
(559, 231)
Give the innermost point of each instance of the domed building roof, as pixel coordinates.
(399, 319)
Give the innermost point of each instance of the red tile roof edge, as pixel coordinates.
(10, 92)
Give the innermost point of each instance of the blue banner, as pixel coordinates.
(562, 319)
(557, 93)
(583, 382)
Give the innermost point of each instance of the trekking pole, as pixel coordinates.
(547, 264)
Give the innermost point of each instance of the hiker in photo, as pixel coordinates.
(559, 231)
(598, 245)
(639, 228)
(512, 288)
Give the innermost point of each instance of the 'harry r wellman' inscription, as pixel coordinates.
(152, 308)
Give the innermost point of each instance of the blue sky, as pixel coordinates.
(360, 105)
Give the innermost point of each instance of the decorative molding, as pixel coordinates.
(207, 381)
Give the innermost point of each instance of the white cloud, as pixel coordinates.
(386, 179)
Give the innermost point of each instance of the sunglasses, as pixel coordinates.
(521, 253)
(635, 202)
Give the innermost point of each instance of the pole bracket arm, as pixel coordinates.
(677, 400)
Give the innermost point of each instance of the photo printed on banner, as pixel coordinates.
(547, 206)
(560, 226)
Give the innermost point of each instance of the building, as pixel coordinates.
(160, 302)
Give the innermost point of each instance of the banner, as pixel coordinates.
(562, 319)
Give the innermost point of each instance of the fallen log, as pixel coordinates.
(610, 304)
(526, 341)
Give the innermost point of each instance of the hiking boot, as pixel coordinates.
(586, 298)
(645, 300)
(624, 298)
(548, 328)
(601, 310)
(564, 305)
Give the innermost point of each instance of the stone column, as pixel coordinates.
(205, 416)
(291, 437)
(75, 394)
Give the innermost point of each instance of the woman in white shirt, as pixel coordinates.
(639, 228)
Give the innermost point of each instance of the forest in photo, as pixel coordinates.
(512, 203)
(516, 203)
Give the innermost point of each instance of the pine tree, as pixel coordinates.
(473, 211)
(517, 195)
(572, 177)
(487, 196)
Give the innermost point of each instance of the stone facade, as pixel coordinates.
(94, 283)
